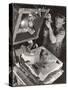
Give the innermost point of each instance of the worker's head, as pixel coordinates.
(30, 20)
(24, 23)
(30, 23)
(31, 17)
(59, 21)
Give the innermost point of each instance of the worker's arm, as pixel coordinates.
(58, 38)
(51, 34)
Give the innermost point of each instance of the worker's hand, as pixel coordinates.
(48, 24)
(48, 16)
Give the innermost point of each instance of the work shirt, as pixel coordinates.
(56, 47)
